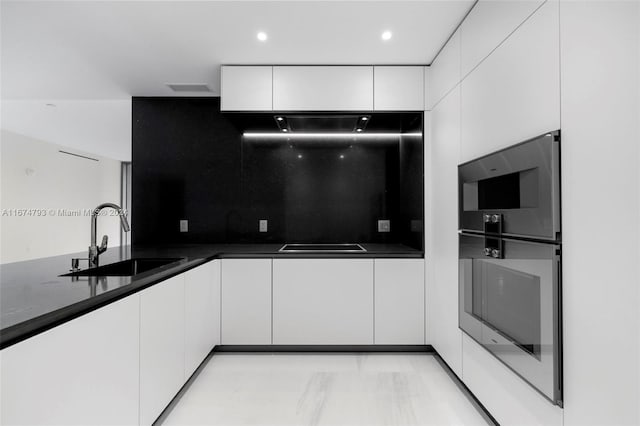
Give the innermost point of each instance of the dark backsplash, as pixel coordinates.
(190, 161)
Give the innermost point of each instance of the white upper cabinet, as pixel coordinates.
(488, 24)
(323, 301)
(246, 88)
(445, 70)
(514, 94)
(83, 372)
(323, 88)
(398, 88)
(246, 302)
(399, 301)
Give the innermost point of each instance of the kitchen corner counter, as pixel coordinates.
(35, 298)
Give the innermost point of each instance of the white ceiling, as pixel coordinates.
(112, 50)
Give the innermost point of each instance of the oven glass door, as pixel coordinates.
(510, 306)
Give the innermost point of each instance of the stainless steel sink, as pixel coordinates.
(322, 248)
(126, 268)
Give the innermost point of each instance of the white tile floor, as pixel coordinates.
(323, 389)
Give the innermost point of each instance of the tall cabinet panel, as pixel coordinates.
(443, 244)
(162, 338)
(514, 94)
(488, 24)
(445, 71)
(246, 302)
(83, 372)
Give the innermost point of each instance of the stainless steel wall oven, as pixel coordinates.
(510, 259)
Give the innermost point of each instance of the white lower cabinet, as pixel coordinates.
(202, 314)
(322, 301)
(246, 302)
(162, 343)
(399, 301)
(83, 372)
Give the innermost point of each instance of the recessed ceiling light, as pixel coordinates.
(279, 118)
(285, 130)
(358, 130)
(341, 156)
(386, 35)
(262, 36)
(299, 155)
(364, 118)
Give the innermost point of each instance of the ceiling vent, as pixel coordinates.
(189, 87)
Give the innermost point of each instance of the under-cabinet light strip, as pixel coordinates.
(327, 135)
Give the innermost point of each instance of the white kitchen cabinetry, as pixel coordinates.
(427, 92)
(488, 24)
(398, 88)
(202, 313)
(246, 88)
(442, 300)
(323, 301)
(445, 71)
(162, 339)
(83, 372)
(323, 88)
(514, 94)
(246, 302)
(512, 400)
(399, 301)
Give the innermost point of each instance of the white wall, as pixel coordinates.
(35, 175)
(544, 65)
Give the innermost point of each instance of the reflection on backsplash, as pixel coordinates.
(191, 162)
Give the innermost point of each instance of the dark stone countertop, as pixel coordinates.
(34, 297)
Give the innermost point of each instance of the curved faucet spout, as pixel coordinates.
(94, 250)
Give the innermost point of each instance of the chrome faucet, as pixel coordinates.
(94, 250)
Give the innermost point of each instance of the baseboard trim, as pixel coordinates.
(324, 348)
(470, 395)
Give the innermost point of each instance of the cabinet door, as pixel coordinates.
(323, 88)
(488, 24)
(445, 71)
(201, 314)
(246, 302)
(399, 301)
(442, 243)
(246, 88)
(161, 346)
(83, 372)
(323, 301)
(514, 94)
(398, 88)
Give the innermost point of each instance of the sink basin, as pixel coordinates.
(322, 248)
(126, 268)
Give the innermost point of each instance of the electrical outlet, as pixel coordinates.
(263, 225)
(384, 226)
(184, 225)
